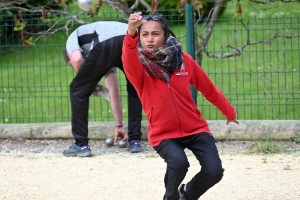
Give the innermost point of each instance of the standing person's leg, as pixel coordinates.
(204, 148)
(135, 110)
(172, 151)
(134, 119)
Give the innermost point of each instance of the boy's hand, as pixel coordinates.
(234, 120)
(120, 133)
(134, 21)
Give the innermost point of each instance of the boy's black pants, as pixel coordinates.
(203, 147)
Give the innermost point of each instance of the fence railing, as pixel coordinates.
(262, 81)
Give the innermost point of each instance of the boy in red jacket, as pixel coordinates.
(162, 74)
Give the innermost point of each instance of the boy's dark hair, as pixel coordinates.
(65, 54)
(163, 24)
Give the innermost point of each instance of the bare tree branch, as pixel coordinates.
(238, 51)
(262, 1)
(55, 27)
(145, 4)
(271, 1)
(62, 24)
(252, 6)
(135, 5)
(119, 6)
(211, 24)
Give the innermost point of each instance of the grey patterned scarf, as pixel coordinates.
(161, 62)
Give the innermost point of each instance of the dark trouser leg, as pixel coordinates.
(134, 113)
(101, 59)
(204, 148)
(80, 104)
(173, 154)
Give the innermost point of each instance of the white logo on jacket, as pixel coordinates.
(182, 71)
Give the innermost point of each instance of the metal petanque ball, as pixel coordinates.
(109, 142)
(85, 5)
(122, 143)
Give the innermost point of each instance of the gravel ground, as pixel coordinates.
(35, 170)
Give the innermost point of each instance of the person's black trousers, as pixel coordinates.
(100, 60)
(134, 113)
(203, 147)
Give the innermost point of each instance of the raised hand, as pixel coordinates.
(134, 21)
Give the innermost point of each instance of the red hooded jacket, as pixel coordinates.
(169, 107)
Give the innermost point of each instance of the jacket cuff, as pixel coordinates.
(131, 42)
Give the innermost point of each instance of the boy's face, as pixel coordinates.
(152, 35)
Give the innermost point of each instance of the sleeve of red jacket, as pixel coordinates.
(214, 95)
(131, 61)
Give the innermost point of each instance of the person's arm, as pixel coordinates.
(214, 95)
(134, 21)
(76, 60)
(111, 82)
(130, 58)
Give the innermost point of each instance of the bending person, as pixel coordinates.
(93, 50)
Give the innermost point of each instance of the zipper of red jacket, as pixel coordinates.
(175, 108)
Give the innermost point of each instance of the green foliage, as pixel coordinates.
(169, 4)
(152, 156)
(29, 41)
(49, 20)
(28, 19)
(53, 3)
(19, 26)
(265, 147)
(295, 139)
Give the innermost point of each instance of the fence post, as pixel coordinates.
(190, 43)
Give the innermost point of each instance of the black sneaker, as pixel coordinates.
(134, 146)
(75, 150)
(182, 194)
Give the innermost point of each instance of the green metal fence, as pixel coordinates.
(262, 82)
